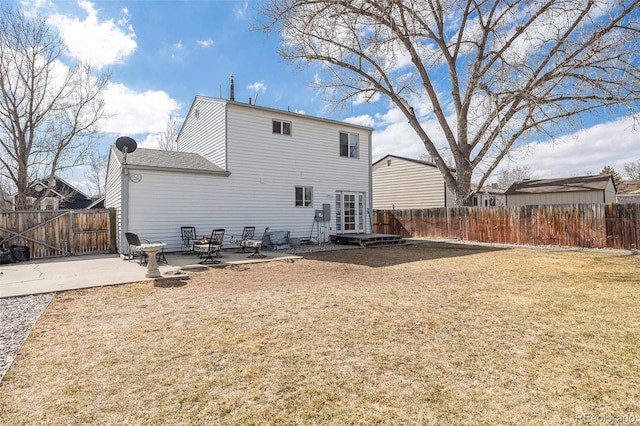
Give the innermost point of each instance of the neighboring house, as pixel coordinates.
(404, 183)
(96, 203)
(490, 196)
(61, 195)
(241, 165)
(628, 191)
(571, 190)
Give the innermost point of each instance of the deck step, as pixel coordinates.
(368, 240)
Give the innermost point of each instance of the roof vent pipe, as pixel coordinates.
(232, 95)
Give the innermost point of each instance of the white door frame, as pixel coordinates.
(350, 212)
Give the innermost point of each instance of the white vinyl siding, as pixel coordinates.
(113, 191)
(266, 166)
(403, 184)
(205, 134)
(264, 169)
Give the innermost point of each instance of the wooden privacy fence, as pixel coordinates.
(576, 225)
(54, 233)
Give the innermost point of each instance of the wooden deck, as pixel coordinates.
(367, 240)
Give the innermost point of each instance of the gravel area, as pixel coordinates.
(18, 316)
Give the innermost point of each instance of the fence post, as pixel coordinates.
(70, 245)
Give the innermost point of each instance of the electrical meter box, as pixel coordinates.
(323, 215)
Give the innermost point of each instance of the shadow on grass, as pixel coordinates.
(377, 257)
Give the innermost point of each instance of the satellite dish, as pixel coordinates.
(125, 144)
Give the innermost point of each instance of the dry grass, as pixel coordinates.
(424, 334)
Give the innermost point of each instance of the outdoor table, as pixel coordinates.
(152, 266)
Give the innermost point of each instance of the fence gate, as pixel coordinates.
(55, 233)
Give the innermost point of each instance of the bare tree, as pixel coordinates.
(632, 169)
(168, 140)
(96, 173)
(48, 111)
(507, 177)
(492, 73)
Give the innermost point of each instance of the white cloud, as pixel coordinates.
(151, 141)
(205, 43)
(137, 113)
(101, 43)
(612, 143)
(240, 12)
(361, 120)
(363, 98)
(178, 46)
(258, 86)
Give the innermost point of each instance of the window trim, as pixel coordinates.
(349, 145)
(281, 127)
(304, 202)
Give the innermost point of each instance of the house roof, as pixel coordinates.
(59, 188)
(97, 203)
(629, 187)
(413, 160)
(70, 196)
(273, 110)
(570, 184)
(158, 159)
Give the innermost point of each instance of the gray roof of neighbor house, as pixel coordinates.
(157, 159)
(426, 163)
(629, 187)
(570, 184)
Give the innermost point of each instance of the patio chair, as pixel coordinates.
(188, 238)
(211, 248)
(256, 245)
(247, 234)
(134, 249)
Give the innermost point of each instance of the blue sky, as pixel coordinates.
(162, 53)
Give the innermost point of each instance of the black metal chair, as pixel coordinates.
(247, 234)
(134, 249)
(188, 238)
(256, 245)
(212, 247)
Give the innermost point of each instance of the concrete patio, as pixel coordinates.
(70, 273)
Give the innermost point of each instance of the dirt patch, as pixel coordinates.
(424, 334)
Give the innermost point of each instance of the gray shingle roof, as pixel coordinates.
(168, 160)
(570, 184)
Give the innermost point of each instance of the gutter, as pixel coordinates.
(177, 169)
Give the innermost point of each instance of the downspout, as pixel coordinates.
(445, 194)
(124, 206)
(370, 183)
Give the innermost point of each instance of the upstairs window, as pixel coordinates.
(303, 196)
(349, 145)
(282, 127)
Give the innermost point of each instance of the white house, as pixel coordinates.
(243, 165)
(404, 183)
(571, 190)
(489, 196)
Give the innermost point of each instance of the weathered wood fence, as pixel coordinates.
(578, 225)
(55, 233)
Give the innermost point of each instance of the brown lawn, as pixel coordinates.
(421, 334)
